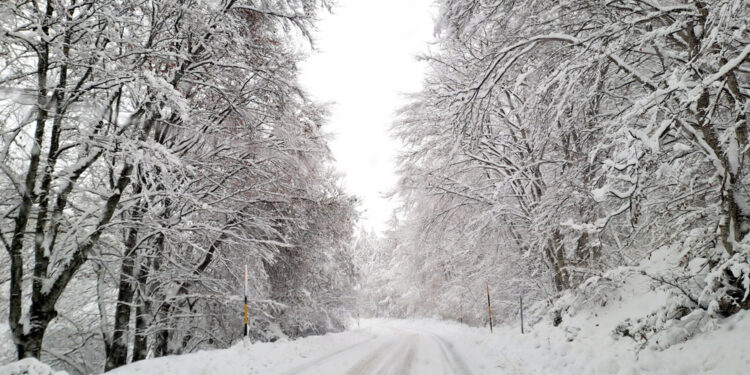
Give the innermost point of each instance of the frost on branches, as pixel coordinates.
(556, 141)
(149, 150)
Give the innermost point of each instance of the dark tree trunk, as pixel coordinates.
(556, 260)
(140, 345)
(119, 353)
(164, 335)
(27, 345)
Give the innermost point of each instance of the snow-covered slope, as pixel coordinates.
(586, 344)
(628, 321)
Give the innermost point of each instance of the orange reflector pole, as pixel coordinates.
(245, 292)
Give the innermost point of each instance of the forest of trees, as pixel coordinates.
(555, 141)
(149, 150)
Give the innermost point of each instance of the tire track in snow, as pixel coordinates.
(459, 366)
(410, 356)
(369, 364)
(400, 352)
(405, 356)
(300, 369)
(454, 361)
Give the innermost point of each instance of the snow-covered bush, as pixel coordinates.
(29, 366)
(728, 285)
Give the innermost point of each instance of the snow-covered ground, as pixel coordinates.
(436, 347)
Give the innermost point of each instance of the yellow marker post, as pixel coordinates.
(489, 306)
(245, 292)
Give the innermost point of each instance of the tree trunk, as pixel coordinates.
(140, 345)
(730, 226)
(119, 353)
(556, 259)
(26, 345)
(161, 343)
(39, 319)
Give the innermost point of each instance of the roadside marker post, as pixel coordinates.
(489, 306)
(245, 293)
(521, 297)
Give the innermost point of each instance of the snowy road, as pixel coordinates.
(379, 346)
(390, 350)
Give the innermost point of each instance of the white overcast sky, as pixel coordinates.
(364, 63)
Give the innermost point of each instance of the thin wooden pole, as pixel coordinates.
(489, 306)
(245, 293)
(461, 318)
(521, 297)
